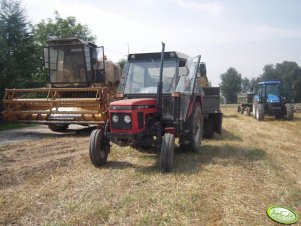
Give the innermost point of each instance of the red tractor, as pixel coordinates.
(160, 100)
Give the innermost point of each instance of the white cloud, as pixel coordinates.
(212, 8)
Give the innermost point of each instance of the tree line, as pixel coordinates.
(288, 72)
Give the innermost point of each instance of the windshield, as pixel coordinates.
(186, 82)
(143, 76)
(66, 64)
(273, 89)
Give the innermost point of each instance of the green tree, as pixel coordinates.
(121, 64)
(245, 84)
(61, 28)
(18, 60)
(230, 85)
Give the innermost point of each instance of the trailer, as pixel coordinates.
(245, 101)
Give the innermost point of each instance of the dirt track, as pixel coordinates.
(14, 136)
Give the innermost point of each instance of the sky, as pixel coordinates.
(244, 34)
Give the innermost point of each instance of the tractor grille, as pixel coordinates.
(140, 120)
(121, 124)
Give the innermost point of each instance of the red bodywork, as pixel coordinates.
(132, 107)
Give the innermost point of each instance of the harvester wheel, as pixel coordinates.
(99, 147)
(191, 136)
(167, 153)
(289, 111)
(58, 127)
(260, 112)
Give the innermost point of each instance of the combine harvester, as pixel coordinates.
(81, 85)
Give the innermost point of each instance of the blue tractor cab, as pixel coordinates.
(270, 101)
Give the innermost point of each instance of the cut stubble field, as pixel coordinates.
(235, 178)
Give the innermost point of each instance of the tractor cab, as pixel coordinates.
(74, 63)
(269, 92)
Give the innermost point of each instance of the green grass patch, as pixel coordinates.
(14, 125)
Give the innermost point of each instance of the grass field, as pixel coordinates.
(235, 178)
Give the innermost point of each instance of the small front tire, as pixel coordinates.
(167, 153)
(99, 148)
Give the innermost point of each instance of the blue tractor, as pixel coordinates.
(269, 100)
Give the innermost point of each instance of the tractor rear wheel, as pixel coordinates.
(191, 136)
(99, 147)
(167, 153)
(58, 127)
(289, 111)
(260, 112)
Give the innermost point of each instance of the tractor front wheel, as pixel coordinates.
(289, 111)
(167, 153)
(99, 147)
(260, 112)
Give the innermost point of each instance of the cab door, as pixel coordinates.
(187, 84)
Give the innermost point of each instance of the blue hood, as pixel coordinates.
(273, 98)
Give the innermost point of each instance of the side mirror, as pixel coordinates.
(202, 70)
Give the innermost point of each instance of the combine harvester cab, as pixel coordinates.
(81, 85)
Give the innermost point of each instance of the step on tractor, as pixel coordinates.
(269, 100)
(81, 85)
(160, 100)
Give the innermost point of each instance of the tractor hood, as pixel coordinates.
(134, 102)
(273, 98)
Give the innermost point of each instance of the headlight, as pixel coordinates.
(127, 119)
(115, 118)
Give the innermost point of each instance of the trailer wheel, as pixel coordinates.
(260, 112)
(99, 147)
(208, 128)
(191, 136)
(248, 110)
(58, 127)
(242, 109)
(167, 153)
(289, 111)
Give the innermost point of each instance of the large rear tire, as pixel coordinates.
(58, 127)
(289, 111)
(260, 112)
(99, 148)
(167, 153)
(191, 136)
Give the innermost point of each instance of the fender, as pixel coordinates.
(198, 99)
